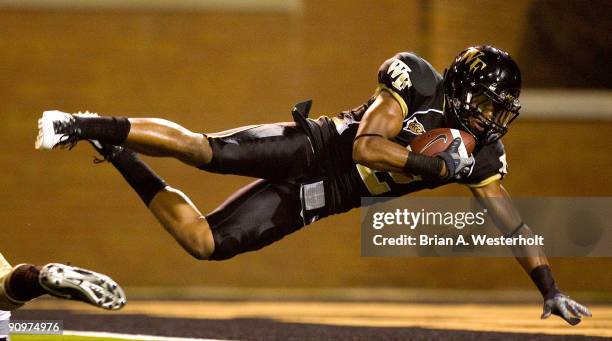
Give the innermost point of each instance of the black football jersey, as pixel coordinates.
(417, 86)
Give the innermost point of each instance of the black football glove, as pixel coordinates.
(456, 166)
(566, 308)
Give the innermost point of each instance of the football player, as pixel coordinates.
(25, 282)
(311, 169)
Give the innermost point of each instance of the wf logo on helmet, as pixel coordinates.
(471, 57)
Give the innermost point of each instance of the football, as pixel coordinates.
(437, 140)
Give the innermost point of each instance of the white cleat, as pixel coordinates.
(56, 129)
(72, 283)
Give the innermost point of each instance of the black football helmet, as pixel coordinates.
(481, 90)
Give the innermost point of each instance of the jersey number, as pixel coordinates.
(379, 182)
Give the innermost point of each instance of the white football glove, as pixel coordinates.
(566, 308)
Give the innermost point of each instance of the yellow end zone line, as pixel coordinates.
(510, 318)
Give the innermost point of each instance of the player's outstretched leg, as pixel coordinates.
(173, 209)
(277, 151)
(26, 282)
(257, 215)
(149, 136)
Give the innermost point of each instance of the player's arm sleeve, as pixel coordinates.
(394, 77)
(490, 165)
(407, 77)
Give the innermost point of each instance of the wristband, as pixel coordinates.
(426, 166)
(542, 277)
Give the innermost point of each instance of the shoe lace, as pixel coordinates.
(70, 133)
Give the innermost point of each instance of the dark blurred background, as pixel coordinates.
(214, 65)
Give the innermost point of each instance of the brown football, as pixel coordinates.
(437, 140)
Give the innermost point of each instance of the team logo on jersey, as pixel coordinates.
(415, 127)
(399, 73)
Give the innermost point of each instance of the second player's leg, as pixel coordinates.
(25, 282)
(6, 303)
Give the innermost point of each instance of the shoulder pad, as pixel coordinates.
(424, 77)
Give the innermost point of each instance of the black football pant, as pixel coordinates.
(270, 208)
